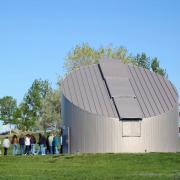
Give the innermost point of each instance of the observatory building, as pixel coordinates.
(113, 107)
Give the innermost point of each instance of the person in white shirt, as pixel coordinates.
(6, 145)
(50, 140)
(27, 144)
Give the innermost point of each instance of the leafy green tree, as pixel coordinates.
(35, 95)
(142, 60)
(85, 55)
(30, 112)
(24, 118)
(40, 107)
(79, 56)
(8, 106)
(157, 69)
(51, 109)
(155, 65)
(119, 53)
(122, 54)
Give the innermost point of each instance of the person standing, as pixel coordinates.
(42, 144)
(33, 144)
(14, 143)
(21, 143)
(56, 142)
(6, 145)
(27, 144)
(47, 144)
(50, 140)
(61, 141)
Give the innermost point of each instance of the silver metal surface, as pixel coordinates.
(92, 133)
(100, 101)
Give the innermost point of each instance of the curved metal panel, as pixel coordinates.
(92, 88)
(91, 133)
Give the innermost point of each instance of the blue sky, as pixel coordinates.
(36, 35)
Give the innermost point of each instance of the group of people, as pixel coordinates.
(27, 145)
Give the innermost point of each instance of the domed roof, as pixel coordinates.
(124, 91)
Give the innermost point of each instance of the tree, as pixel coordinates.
(157, 69)
(8, 106)
(122, 54)
(85, 55)
(142, 60)
(35, 95)
(40, 107)
(51, 109)
(30, 112)
(24, 118)
(79, 56)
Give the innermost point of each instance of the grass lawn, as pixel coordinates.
(92, 166)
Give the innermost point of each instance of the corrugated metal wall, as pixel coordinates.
(91, 133)
(91, 111)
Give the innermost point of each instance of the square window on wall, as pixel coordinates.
(131, 128)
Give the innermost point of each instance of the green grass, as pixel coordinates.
(155, 166)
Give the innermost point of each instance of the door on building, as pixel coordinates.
(66, 140)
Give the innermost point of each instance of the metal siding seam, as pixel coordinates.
(74, 125)
(100, 134)
(100, 93)
(83, 123)
(107, 135)
(131, 80)
(97, 137)
(84, 132)
(71, 89)
(95, 134)
(74, 90)
(68, 89)
(146, 114)
(136, 96)
(164, 99)
(88, 102)
(111, 103)
(118, 113)
(78, 121)
(83, 92)
(98, 106)
(102, 88)
(86, 71)
(164, 88)
(171, 88)
(113, 108)
(111, 135)
(148, 92)
(108, 104)
(108, 99)
(90, 91)
(153, 93)
(150, 109)
(75, 75)
(149, 75)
